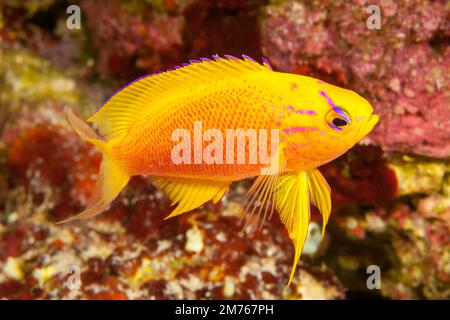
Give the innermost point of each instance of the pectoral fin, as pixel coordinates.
(190, 194)
(260, 198)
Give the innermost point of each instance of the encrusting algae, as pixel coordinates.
(147, 128)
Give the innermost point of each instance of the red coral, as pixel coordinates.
(12, 244)
(12, 289)
(52, 155)
(361, 176)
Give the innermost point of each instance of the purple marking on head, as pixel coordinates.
(216, 56)
(184, 64)
(299, 129)
(125, 86)
(176, 67)
(295, 129)
(247, 57)
(205, 59)
(335, 107)
(310, 112)
(332, 126)
(194, 61)
(267, 63)
(330, 102)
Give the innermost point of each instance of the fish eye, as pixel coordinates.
(338, 121)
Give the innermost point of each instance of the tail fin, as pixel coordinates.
(112, 178)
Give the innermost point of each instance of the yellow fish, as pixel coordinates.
(196, 129)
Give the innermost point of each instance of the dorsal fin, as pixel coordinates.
(118, 114)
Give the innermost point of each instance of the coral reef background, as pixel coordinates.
(391, 193)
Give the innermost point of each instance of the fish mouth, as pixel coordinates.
(368, 126)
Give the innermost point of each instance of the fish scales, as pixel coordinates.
(222, 105)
